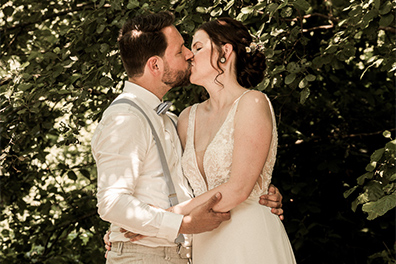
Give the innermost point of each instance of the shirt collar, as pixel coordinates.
(142, 94)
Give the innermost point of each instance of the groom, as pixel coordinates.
(130, 176)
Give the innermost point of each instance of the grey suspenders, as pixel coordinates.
(172, 193)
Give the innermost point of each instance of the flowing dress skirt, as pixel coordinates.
(253, 235)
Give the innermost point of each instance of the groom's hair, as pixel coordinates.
(141, 38)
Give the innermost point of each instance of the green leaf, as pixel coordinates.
(386, 20)
(386, 8)
(371, 166)
(85, 173)
(72, 175)
(293, 67)
(201, 9)
(5, 232)
(287, 12)
(104, 47)
(301, 4)
(264, 84)
(284, 3)
(380, 207)
(100, 28)
(356, 11)
(216, 12)
(22, 111)
(247, 10)
(189, 26)
(310, 77)
(331, 48)
(278, 69)
(391, 145)
(75, 77)
(229, 5)
(318, 62)
(361, 199)
(269, 53)
(377, 4)
(303, 83)
(368, 175)
(354, 205)
(290, 78)
(377, 155)
(369, 16)
(133, 4)
(106, 81)
(271, 8)
(24, 86)
(180, 7)
(374, 190)
(304, 95)
(350, 191)
(8, 11)
(260, 6)
(392, 177)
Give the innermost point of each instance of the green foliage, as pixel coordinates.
(330, 76)
(378, 184)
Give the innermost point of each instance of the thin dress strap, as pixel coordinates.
(235, 105)
(191, 126)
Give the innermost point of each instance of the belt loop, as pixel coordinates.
(119, 249)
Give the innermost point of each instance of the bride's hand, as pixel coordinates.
(106, 240)
(170, 209)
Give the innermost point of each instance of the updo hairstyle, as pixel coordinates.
(250, 67)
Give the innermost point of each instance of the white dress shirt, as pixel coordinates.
(130, 176)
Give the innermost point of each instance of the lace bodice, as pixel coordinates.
(217, 161)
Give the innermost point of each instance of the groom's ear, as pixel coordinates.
(155, 65)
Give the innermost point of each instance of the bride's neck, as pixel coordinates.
(222, 96)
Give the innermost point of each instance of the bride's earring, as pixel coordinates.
(222, 60)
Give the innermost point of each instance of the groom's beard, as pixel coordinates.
(175, 78)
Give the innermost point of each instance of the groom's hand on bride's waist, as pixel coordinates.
(203, 218)
(132, 236)
(274, 200)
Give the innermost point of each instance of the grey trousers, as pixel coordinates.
(129, 253)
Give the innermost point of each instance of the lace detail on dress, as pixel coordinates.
(217, 159)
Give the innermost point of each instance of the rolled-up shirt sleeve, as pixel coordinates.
(120, 145)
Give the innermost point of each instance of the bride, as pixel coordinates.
(230, 143)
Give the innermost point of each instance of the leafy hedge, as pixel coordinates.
(331, 78)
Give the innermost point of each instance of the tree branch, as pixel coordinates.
(366, 134)
(334, 20)
(389, 29)
(318, 27)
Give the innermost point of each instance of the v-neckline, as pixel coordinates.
(204, 178)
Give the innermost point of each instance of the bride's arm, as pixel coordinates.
(252, 139)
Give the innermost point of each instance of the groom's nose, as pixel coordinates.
(188, 54)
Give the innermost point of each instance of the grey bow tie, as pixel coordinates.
(163, 107)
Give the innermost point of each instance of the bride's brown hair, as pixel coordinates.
(250, 67)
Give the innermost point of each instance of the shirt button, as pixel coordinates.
(167, 258)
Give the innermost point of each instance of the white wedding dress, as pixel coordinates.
(254, 234)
